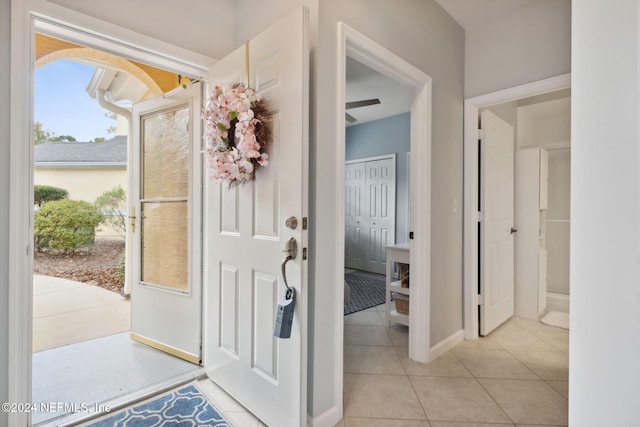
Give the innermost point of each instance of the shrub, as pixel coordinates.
(120, 269)
(66, 224)
(47, 193)
(112, 204)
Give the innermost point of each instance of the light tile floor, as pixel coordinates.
(516, 376)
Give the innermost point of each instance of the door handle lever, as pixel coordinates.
(291, 249)
(514, 230)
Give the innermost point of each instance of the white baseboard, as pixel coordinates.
(557, 302)
(328, 418)
(446, 344)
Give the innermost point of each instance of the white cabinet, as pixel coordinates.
(396, 254)
(531, 256)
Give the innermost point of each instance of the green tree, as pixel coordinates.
(99, 139)
(40, 136)
(112, 204)
(47, 193)
(65, 224)
(59, 138)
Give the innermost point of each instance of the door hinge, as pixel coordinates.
(304, 254)
(480, 134)
(479, 216)
(304, 223)
(480, 299)
(132, 218)
(411, 235)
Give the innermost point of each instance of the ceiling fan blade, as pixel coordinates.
(348, 117)
(363, 103)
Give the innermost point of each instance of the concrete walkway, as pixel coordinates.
(67, 312)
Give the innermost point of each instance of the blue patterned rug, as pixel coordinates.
(184, 407)
(367, 290)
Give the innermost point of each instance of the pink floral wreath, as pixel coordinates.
(237, 132)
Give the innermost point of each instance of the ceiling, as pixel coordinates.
(472, 13)
(363, 83)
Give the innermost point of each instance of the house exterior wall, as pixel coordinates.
(605, 215)
(529, 43)
(5, 32)
(84, 184)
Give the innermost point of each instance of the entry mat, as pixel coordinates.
(182, 407)
(366, 290)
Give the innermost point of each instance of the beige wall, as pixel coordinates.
(84, 184)
(529, 43)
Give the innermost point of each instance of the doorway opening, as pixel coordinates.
(538, 116)
(376, 188)
(68, 314)
(358, 50)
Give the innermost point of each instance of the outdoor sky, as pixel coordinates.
(62, 104)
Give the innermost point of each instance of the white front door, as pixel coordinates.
(354, 184)
(245, 236)
(380, 211)
(166, 291)
(497, 229)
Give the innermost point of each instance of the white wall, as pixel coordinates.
(550, 131)
(5, 29)
(529, 43)
(202, 26)
(605, 216)
(507, 112)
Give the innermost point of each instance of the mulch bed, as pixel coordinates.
(95, 264)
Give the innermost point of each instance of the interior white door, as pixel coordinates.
(354, 184)
(166, 291)
(245, 235)
(497, 228)
(379, 212)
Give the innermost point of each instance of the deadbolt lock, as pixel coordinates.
(292, 222)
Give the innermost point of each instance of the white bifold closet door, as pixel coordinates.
(370, 208)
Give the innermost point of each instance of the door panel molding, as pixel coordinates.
(266, 374)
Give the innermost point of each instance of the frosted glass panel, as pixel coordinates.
(165, 244)
(165, 154)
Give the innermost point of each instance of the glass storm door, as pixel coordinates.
(166, 292)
